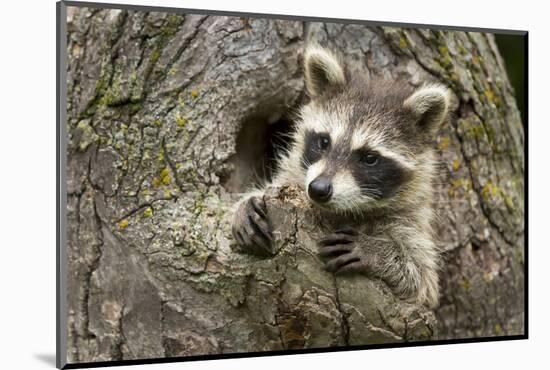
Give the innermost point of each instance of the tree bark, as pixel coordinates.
(158, 106)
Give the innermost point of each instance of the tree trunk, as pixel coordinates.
(168, 117)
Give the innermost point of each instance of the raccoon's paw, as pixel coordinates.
(341, 254)
(251, 227)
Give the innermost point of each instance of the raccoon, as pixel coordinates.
(362, 147)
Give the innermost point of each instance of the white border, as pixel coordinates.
(27, 184)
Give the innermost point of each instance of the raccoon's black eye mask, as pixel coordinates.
(376, 175)
(315, 144)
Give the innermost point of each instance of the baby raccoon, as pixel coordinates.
(362, 147)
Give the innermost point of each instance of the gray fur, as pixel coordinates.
(389, 234)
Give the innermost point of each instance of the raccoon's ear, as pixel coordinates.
(429, 104)
(322, 70)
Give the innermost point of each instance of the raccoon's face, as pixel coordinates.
(361, 141)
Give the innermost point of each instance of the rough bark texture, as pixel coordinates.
(156, 104)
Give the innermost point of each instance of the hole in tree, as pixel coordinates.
(261, 139)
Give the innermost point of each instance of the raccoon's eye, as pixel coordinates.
(323, 142)
(370, 159)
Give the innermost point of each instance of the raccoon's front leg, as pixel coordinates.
(411, 272)
(251, 227)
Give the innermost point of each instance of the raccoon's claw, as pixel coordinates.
(339, 252)
(251, 228)
(339, 237)
(342, 262)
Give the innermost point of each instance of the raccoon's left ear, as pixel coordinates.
(430, 105)
(323, 70)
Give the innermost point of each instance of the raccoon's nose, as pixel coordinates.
(320, 190)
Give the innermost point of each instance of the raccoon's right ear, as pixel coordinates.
(322, 70)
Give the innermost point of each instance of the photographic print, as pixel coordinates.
(241, 184)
